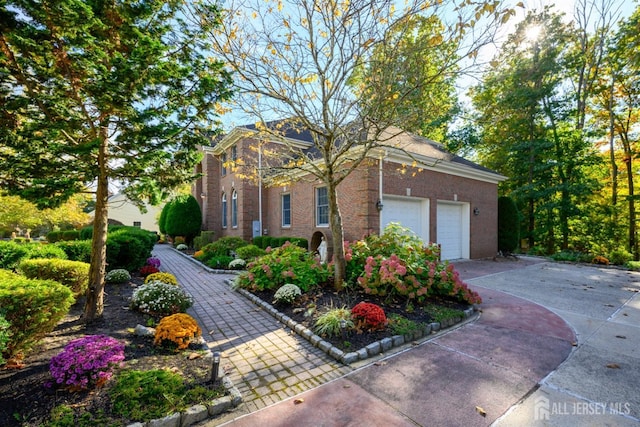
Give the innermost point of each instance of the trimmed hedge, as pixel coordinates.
(33, 307)
(508, 225)
(249, 252)
(76, 250)
(263, 242)
(11, 253)
(129, 248)
(223, 247)
(72, 274)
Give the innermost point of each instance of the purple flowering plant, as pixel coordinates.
(153, 261)
(86, 362)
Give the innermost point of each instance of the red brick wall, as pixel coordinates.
(439, 186)
(357, 196)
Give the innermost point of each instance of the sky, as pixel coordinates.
(621, 8)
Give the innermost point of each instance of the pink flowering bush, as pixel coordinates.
(86, 362)
(397, 265)
(287, 264)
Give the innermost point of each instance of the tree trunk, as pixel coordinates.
(335, 224)
(95, 292)
(612, 155)
(633, 244)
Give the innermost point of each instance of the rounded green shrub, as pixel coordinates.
(12, 253)
(128, 249)
(76, 250)
(508, 225)
(72, 274)
(225, 246)
(249, 252)
(184, 218)
(33, 307)
(160, 299)
(68, 235)
(162, 220)
(54, 236)
(620, 257)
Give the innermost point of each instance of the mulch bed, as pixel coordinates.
(325, 298)
(26, 401)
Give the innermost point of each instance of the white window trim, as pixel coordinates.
(282, 210)
(317, 206)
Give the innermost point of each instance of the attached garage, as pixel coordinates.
(452, 229)
(410, 212)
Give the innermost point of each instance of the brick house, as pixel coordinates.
(447, 200)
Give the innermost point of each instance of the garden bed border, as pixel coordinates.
(347, 358)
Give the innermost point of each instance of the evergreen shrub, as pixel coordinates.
(72, 274)
(33, 307)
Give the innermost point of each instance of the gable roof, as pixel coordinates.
(397, 145)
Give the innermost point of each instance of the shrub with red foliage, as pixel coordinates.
(369, 316)
(147, 270)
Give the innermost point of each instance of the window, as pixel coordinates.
(322, 206)
(286, 210)
(234, 209)
(224, 210)
(137, 224)
(223, 159)
(234, 153)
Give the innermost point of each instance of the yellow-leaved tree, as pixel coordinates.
(326, 67)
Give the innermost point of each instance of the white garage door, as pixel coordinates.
(453, 230)
(411, 213)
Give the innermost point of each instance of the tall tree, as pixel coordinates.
(527, 125)
(619, 99)
(100, 91)
(295, 60)
(418, 61)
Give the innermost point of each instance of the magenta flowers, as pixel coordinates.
(86, 362)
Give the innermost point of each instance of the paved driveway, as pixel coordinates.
(554, 345)
(599, 383)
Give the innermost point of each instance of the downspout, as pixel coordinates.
(380, 175)
(260, 187)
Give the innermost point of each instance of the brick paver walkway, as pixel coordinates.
(265, 360)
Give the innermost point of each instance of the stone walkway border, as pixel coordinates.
(373, 349)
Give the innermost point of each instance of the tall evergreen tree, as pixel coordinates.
(98, 91)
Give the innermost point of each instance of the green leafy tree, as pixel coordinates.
(102, 91)
(618, 109)
(184, 218)
(528, 128)
(417, 64)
